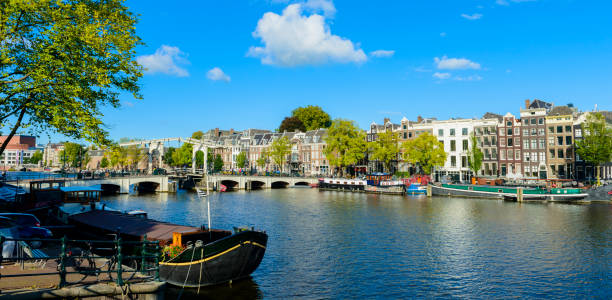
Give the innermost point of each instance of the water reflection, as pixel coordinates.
(353, 245)
(242, 289)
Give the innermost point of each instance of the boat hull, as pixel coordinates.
(505, 193)
(231, 258)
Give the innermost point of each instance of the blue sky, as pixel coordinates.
(248, 63)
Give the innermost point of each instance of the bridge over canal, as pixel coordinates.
(237, 182)
(158, 183)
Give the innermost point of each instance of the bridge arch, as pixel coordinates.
(257, 185)
(279, 185)
(110, 189)
(301, 183)
(230, 184)
(144, 187)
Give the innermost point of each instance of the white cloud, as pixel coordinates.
(441, 75)
(293, 39)
(507, 2)
(442, 34)
(472, 16)
(446, 63)
(382, 53)
(165, 60)
(468, 78)
(422, 70)
(217, 74)
(326, 6)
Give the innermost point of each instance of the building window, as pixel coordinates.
(541, 121)
(502, 155)
(510, 154)
(534, 156)
(551, 141)
(578, 132)
(533, 121)
(517, 155)
(464, 131)
(502, 142)
(534, 131)
(551, 129)
(509, 130)
(453, 146)
(463, 161)
(465, 145)
(525, 132)
(452, 132)
(542, 143)
(405, 135)
(453, 161)
(560, 153)
(541, 131)
(525, 144)
(508, 123)
(510, 142)
(568, 140)
(517, 142)
(542, 158)
(560, 140)
(440, 132)
(502, 131)
(534, 144)
(559, 129)
(552, 153)
(526, 156)
(405, 127)
(568, 128)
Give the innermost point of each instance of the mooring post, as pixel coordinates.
(519, 194)
(63, 263)
(429, 190)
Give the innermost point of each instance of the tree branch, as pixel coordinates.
(15, 80)
(13, 131)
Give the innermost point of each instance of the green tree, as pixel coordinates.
(61, 62)
(167, 158)
(134, 155)
(264, 158)
(36, 157)
(312, 116)
(182, 156)
(104, 163)
(117, 156)
(426, 151)
(385, 148)
(218, 163)
(72, 155)
(346, 144)
(290, 124)
(197, 135)
(199, 159)
(595, 147)
(474, 155)
(279, 150)
(241, 159)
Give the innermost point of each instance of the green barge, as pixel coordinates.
(513, 193)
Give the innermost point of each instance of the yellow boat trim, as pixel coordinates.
(212, 257)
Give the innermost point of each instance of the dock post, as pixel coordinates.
(519, 194)
(429, 190)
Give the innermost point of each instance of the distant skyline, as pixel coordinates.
(247, 64)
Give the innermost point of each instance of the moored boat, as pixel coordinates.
(215, 261)
(508, 192)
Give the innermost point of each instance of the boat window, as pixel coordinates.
(500, 191)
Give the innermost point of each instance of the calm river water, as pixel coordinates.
(344, 245)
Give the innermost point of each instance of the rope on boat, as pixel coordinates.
(188, 270)
(200, 280)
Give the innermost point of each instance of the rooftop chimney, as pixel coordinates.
(527, 102)
(419, 119)
(386, 120)
(217, 132)
(231, 131)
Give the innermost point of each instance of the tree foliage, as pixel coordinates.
(312, 116)
(474, 155)
(385, 148)
(279, 150)
(104, 163)
(291, 124)
(62, 61)
(264, 158)
(595, 147)
(134, 155)
(117, 156)
(346, 144)
(181, 157)
(72, 155)
(197, 135)
(241, 159)
(218, 163)
(36, 157)
(167, 158)
(426, 151)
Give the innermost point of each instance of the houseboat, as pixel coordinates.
(509, 192)
(342, 184)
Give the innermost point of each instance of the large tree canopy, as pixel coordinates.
(595, 147)
(313, 117)
(346, 144)
(61, 61)
(385, 148)
(290, 124)
(426, 151)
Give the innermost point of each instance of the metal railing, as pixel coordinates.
(84, 264)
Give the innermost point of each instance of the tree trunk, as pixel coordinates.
(13, 131)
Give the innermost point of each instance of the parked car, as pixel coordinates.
(28, 226)
(9, 229)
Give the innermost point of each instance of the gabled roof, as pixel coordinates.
(560, 111)
(540, 104)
